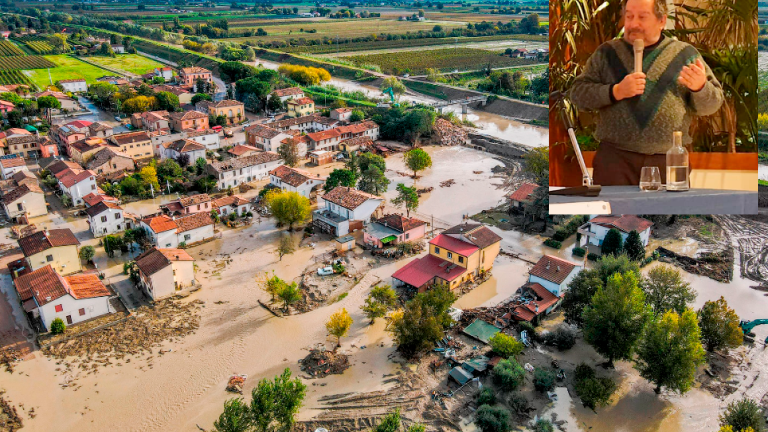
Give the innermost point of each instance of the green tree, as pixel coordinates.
(665, 290)
(417, 160)
(232, 71)
(87, 253)
(200, 165)
(506, 345)
(338, 324)
(273, 103)
(289, 294)
(381, 300)
(423, 320)
(58, 326)
(579, 295)
(508, 374)
(593, 391)
(148, 176)
(719, 325)
(289, 151)
(609, 265)
(288, 207)
(48, 102)
(167, 101)
(613, 243)
(634, 246)
(235, 418)
(357, 115)
(543, 380)
(373, 181)
(536, 163)
(492, 419)
(274, 404)
(169, 170)
(392, 423)
(670, 351)
(340, 177)
(614, 321)
(742, 415)
(543, 425)
(398, 88)
(286, 246)
(407, 197)
(201, 97)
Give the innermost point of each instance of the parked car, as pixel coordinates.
(117, 118)
(325, 271)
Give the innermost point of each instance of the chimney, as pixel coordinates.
(547, 265)
(537, 308)
(558, 268)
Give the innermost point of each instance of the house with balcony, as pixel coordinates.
(593, 232)
(310, 123)
(188, 76)
(392, 229)
(57, 248)
(185, 120)
(543, 293)
(344, 209)
(230, 204)
(300, 107)
(553, 273)
(233, 110)
(295, 180)
(164, 272)
(457, 256)
(236, 171)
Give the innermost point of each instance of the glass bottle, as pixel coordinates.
(677, 164)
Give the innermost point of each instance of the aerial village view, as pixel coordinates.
(333, 217)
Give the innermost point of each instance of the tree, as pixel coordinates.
(138, 104)
(200, 165)
(274, 404)
(273, 103)
(285, 247)
(423, 321)
(592, 390)
(381, 299)
(15, 118)
(634, 246)
(398, 88)
(407, 197)
(289, 294)
(614, 321)
(340, 177)
(506, 345)
(417, 160)
(612, 244)
(392, 423)
(742, 415)
(670, 351)
(579, 295)
(289, 151)
(609, 265)
(148, 175)
(87, 253)
(543, 425)
(338, 324)
(508, 374)
(288, 207)
(373, 181)
(536, 163)
(543, 380)
(719, 325)
(201, 97)
(492, 419)
(233, 71)
(666, 290)
(357, 115)
(167, 101)
(235, 418)
(48, 102)
(58, 326)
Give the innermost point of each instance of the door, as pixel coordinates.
(69, 319)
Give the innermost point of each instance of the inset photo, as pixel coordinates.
(653, 107)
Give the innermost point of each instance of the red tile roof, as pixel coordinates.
(160, 224)
(156, 259)
(240, 150)
(420, 271)
(290, 91)
(12, 162)
(93, 198)
(235, 200)
(454, 245)
(400, 222)
(523, 192)
(323, 135)
(552, 269)
(193, 221)
(76, 177)
(347, 197)
(44, 240)
(87, 285)
(44, 284)
(301, 101)
(188, 201)
(626, 223)
(290, 175)
(20, 192)
(543, 299)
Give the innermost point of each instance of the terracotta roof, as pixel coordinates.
(23, 175)
(76, 177)
(347, 197)
(155, 259)
(312, 118)
(240, 150)
(80, 124)
(193, 221)
(625, 223)
(290, 91)
(357, 128)
(552, 269)
(326, 134)
(21, 139)
(101, 207)
(61, 165)
(454, 245)
(342, 110)
(188, 201)
(400, 222)
(20, 192)
(543, 299)
(187, 115)
(300, 101)
(475, 233)
(87, 285)
(160, 224)
(105, 155)
(523, 192)
(44, 240)
(12, 162)
(17, 131)
(262, 131)
(94, 198)
(6, 103)
(88, 144)
(194, 70)
(184, 145)
(291, 176)
(357, 141)
(229, 200)
(226, 103)
(130, 137)
(171, 89)
(44, 284)
(241, 162)
(420, 271)
(99, 126)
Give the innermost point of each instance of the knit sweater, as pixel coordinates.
(644, 123)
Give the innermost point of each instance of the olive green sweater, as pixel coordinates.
(644, 123)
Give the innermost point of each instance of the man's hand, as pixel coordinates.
(632, 85)
(694, 76)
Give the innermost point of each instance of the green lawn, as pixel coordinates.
(132, 63)
(66, 68)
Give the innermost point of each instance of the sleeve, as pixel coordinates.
(589, 91)
(709, 99)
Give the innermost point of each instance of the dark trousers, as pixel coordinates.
(616, 167)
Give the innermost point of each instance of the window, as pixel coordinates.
(20, 207)
(82, 311)
(198, 206)
(93, 187)
(187, 237)
(450, 255)
(117, 216)
(103, 218)
(69, 319)
(59, 308)
(49, 258)
(407, 235)
(437, 250)
(461, 259)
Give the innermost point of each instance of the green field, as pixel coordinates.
(132, 63)
(66, 68)
(442, 59)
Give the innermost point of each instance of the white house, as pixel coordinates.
(553, 273)
(73, 85)
(175, 149)
(264, 138)
(163, 272)
(344, 209)
(295, 180)
(106, 218)
(289, 93)
(166, 72)
(343, 114)
(233, 172)
(27, 200)
(227, 205)
(46, 295)
(310, 123)
(11, 164)
(595, 230)
(168, 232)
(56, 247)
(118, 49)
(77, 184)
(209, 138)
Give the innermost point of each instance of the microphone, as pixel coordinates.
(639, 45)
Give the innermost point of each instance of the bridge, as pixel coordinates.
(463, 102)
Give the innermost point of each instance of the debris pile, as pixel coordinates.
(424, 190)
(447, 134)
(714, 265)
(9, 417)
(8, 357)
(236, 383)
(20, 231)
(447, 183)
(319, 364)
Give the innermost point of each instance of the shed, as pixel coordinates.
(477, 365)
(481, 330)
(345, 243)
(460, 375)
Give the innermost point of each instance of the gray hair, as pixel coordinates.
(659, 8)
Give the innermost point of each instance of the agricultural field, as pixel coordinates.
(39, 45)
(8, 48)
(132, 63)
(15, 77)
(66, 68)
(417, 62)
(24, 62)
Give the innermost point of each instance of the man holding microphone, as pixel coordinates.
(645, 86)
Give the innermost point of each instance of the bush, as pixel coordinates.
(593, 256)
(508, 374)
(58, 326)
(543, 426)
(743, 414)
(543, 380)
(492, 419)
(593, 391)
(486, 397)
(553, 243)
(519, 403)
(505, 345)
(563, 337)
(583, 371)
(579, 252)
